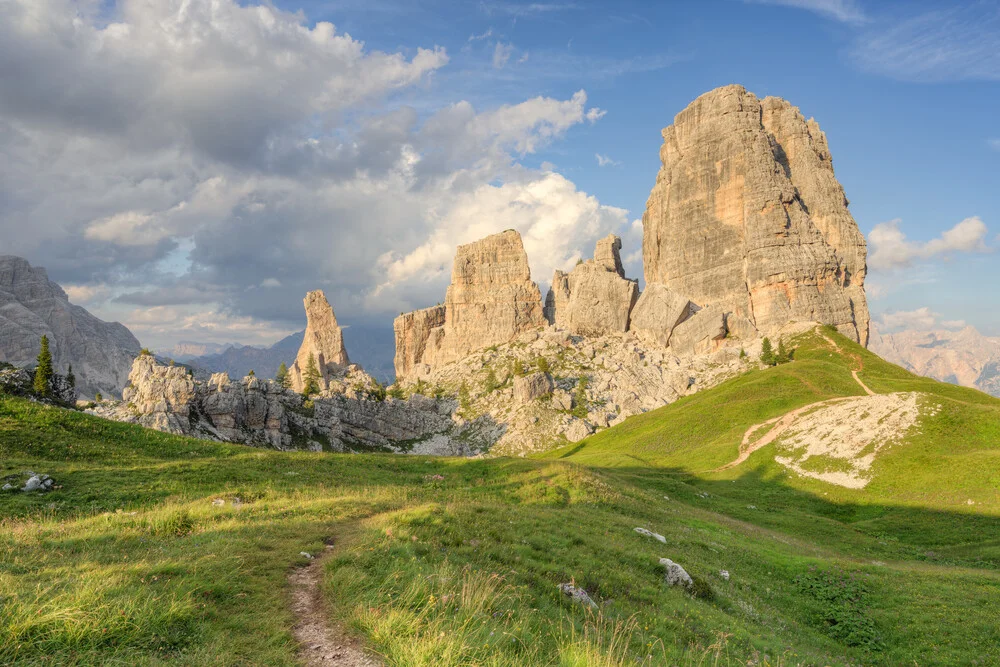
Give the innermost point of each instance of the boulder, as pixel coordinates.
(658, 312)
(675, 574)
(747, 215)
(577, 595)
(527, 388)
(648, 533)
(699, 334)
(577, 430)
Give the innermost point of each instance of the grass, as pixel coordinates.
(457, 561)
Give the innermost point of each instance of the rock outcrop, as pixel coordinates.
(657, 312)
(594, 298)
(323, 341)
(747, 216)
(31, 306)
(350, 415)
(491, 299)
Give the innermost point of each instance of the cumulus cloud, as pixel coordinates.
(890, 249)
(921, 319)
(558, 224)
(211, 162)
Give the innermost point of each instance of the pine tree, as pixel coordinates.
(518, 367)
(98, 398)
(43, 371)
(767, 352)
(784, 356)
(311, 377)
(282, 377)
(70, 378)
(543, 364)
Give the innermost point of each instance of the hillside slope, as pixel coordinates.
(160, 548)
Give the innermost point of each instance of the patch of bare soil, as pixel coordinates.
(322, 644)
(839, 443)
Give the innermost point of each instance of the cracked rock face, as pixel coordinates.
(594, 298)
(31, 306)
(323, 339)
(747, 215)
(491, 299)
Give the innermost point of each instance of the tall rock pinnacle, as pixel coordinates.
(747, 215)
(323, 339)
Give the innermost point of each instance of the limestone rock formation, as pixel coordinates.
(491, 299)
(747, 215)
(657, 312)
(594, 298)
(699, 334)
(31, 306)
(527, 388)
(350, 415)
(323, 340)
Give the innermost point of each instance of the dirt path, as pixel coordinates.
(321, 644)
(784, 422)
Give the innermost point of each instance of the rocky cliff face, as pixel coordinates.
(594, 298)
(350, 415)
(747, 216)
(491, 299)
(964, 357)
(323, 340)
(31, 306)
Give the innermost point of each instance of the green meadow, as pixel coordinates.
(158, 549)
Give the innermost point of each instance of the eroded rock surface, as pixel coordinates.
(491, 299)
(31, 306)
(594, 298)
(747, 216)
(323, 339)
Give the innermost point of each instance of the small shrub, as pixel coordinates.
(543, 364)
(701, 588)
(518, 367)
(580, 403)
(490, 384)
(145, 352)
(396, 392)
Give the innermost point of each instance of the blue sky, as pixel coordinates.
(192, 168)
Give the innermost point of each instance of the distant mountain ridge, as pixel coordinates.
(964, 357)
(31, 306)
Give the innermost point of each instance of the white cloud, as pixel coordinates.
(847, 11)
(501, 54)
(889, 247)
(482, 36)
(605, 161)
(82, 295)
(558, 224)
(952, 44)
(206, 151)
(921, 319)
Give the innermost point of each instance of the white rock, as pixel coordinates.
(675, 574)
(649, 533)
(577, 595)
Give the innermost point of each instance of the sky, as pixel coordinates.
(192, 167)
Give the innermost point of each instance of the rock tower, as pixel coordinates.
(747, 216)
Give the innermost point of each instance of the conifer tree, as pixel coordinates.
(767, 352)
(580, 408)
(783, 355)
(311, 377)
(282, 377)
(70, 378)
(43, 371)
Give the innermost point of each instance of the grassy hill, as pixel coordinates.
(456, 561)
